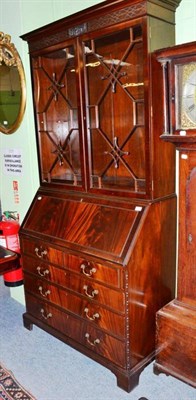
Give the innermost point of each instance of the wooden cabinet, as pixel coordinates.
(9, 260)
(176, 322)
(98, 242)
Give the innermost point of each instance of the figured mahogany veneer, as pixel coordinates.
(98, 242)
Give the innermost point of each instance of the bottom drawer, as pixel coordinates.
(105, 319)
(78, 330)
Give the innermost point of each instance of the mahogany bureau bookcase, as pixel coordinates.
(98, 242)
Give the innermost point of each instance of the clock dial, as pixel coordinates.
(186, 96)
(189, 96)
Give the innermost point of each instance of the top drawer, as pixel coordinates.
(43, 253)
(94, 270)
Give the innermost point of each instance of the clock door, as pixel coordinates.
(55, 97)
(187, 232)
(114, 76)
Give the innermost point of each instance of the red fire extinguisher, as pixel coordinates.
(9, 227)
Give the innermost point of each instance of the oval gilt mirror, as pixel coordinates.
(12, 86)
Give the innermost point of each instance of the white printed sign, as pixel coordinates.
(12, 161)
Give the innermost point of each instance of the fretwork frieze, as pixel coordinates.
(113, 18)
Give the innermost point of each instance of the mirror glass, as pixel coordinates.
(12, 86)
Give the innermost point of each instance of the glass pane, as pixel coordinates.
(186, 96)
(115, 109)
(57, 116)
(10, 95)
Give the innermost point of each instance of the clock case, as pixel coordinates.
(101, 236)
(176, 322)
(170, 59)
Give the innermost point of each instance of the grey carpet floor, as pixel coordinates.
(51, 370)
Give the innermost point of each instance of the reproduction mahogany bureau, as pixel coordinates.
(98, 242)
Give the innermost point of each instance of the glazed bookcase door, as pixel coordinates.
(114, 77)
(55, 96)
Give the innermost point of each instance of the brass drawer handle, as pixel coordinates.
(93, 293)
(44, 294)
(94, 343)
(40, 252)
(49, 315)
(46, 272)
(94, 316)
(86, 271)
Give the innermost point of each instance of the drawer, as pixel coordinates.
(97, 315)
(79, 330)
(46, 313)
(110, 275)
(98, 341)
(42, 251)
(91, 290)
(111, 298)
(45, 270)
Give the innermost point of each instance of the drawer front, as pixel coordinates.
(99, 342)
(109, 275)
(94, 270)
(112, 299)
(42, 251)
(79, 330)
(46, 271)
(91, 290)
(98, 315)
(46, 313)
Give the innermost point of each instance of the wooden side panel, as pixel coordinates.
(176, 342)
(151, 275)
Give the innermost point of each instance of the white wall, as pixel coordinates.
(21, 16)
(186, 21)
(16, 18)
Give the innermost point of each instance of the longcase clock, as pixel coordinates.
(176, 322)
